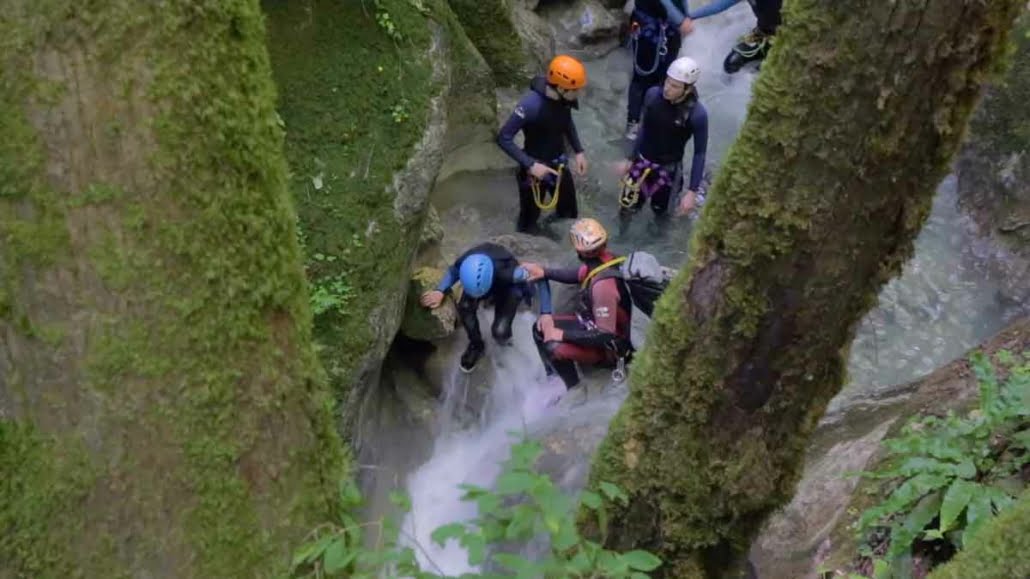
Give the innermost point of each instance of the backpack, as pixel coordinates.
(645, 279)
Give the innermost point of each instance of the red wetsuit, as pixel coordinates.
(598, 333)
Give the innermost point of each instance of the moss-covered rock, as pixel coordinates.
(515, 42)
(367, 112)
(163, 410)
(421, 323)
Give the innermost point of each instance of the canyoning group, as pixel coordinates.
(663, 114)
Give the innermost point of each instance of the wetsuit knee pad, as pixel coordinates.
(501, 331)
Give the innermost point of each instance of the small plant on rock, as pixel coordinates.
(952, 474)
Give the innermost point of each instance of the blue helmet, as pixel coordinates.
(477, 274)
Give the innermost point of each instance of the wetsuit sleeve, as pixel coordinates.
(713, 8)
(573, 136)
(673, 14)
(525, 112)
(543, 290)
(562, 275)
(699, 120)
(605, 298)
(449, 278)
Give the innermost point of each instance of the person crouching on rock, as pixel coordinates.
(598, 333)
(488, 273)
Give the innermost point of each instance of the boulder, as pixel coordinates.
(584, 26)
(420, 323)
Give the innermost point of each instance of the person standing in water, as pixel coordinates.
(656, 31)
(672, 116)
(755, 45)
(544, 115)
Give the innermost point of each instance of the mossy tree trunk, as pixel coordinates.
(853, 122)
(162, 413)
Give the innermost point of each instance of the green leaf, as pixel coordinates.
(450, 531)
(955, 500)
(909, 492)
(350, 495)
(613, 492)
(513, 483)
(476, 546)
(311, 551)
(566, 537)
(999, 498)
(337, 557)
(522, 523)
(400, 500)
(978, 512)
(904, 533)
(966, 470)
(592, 500)
(514, 562)
(611, 563)
(1022, 439)
(641, 560)
(881, 569)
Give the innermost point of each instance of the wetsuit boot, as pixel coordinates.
(753, 47)
(471, 357)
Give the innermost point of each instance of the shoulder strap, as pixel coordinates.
(593, 273)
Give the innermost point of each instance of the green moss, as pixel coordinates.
(489, 25)
(43, 481)
(204, 373)
(999, 551)
(340, 79)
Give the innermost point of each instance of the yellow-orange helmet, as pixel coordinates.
(587, 235)
(567, 73)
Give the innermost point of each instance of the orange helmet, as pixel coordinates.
(588, 235)
(567, 73)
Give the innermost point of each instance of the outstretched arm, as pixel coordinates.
(713, 8)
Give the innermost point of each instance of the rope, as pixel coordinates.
(662, 49)
(538, 194)
(631, 189)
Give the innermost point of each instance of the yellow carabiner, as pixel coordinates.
(534, 184)
(633, 188)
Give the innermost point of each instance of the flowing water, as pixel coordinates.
(941, 305)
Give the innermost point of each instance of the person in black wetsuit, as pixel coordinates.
(654, 171)
(755, 45)
(488, 273)
(656, 31)
(544, 115)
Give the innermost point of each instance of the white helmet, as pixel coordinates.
(685, 70)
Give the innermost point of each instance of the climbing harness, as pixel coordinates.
(647, 30)
(586, 280)
(636, 182)
(539, 191)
